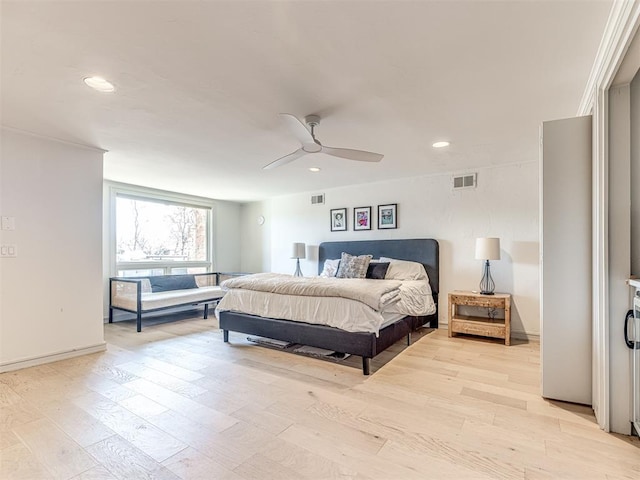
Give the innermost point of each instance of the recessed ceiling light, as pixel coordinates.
(100, 84)
(314, 169)
(440, 144)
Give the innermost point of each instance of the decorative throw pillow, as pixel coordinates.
(330, 268)
(352, 266)
(173, 282)
(377, 270)
(404, 270)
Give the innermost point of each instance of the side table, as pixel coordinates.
(475, 325)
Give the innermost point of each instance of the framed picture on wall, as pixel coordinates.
(388, 216)
(338, 219)
(362, 218)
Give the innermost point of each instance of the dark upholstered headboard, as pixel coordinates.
(422, 250)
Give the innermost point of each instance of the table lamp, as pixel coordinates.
(487, 249)
(299, 251)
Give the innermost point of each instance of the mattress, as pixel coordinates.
(389, 317)
(346, 314)
(343, 313)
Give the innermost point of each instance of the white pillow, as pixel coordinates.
(404, 270)
(330, 268)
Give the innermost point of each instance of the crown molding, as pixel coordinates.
(622, 24)
(52, 139)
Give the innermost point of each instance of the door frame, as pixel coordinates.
(622, 25)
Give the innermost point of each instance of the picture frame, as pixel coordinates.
(388, 216)
(362, 218)
(338, 219)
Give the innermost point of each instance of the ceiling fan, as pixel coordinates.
(310, 144)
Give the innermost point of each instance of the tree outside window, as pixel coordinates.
(160, 232)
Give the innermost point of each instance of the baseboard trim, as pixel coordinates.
(530, 337)
(53, 357)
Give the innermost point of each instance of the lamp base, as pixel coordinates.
(298, 272)
(486, 284)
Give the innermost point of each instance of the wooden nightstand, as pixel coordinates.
(484, 326)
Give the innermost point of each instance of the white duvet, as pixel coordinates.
(415, 299)
(349, 304)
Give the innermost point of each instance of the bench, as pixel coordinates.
(152, 293)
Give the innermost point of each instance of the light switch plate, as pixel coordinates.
(8, 251)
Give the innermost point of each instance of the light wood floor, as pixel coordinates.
(176, 402)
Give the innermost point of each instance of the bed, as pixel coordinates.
(364, 344)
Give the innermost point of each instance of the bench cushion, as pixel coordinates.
(153, 300)
(172, 282)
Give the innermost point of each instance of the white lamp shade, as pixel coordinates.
(299, 250)
(487, 248)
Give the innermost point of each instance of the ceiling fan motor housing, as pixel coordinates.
(312, 120)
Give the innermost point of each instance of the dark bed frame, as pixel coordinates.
(364, 344)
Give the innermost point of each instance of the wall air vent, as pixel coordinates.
(464, 181)
(317, 199)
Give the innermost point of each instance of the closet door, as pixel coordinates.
(566, 260)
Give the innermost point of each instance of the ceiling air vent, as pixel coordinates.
(317, 199)
(464, 181)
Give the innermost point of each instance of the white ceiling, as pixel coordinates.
(200, 85)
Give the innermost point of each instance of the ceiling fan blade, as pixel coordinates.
(359, 155)
(286, 159)
(297, 128)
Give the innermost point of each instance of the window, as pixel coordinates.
(155, 235)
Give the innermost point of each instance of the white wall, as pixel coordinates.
(227, 236)
(505, 204)
(635, 175)
(51, 293)
(256, 239)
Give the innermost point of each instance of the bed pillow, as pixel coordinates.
(352, 266)
(377, 270)
(178, 282)
(330, 267)
(404, 270)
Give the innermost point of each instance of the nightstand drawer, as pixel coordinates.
(475, 302)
